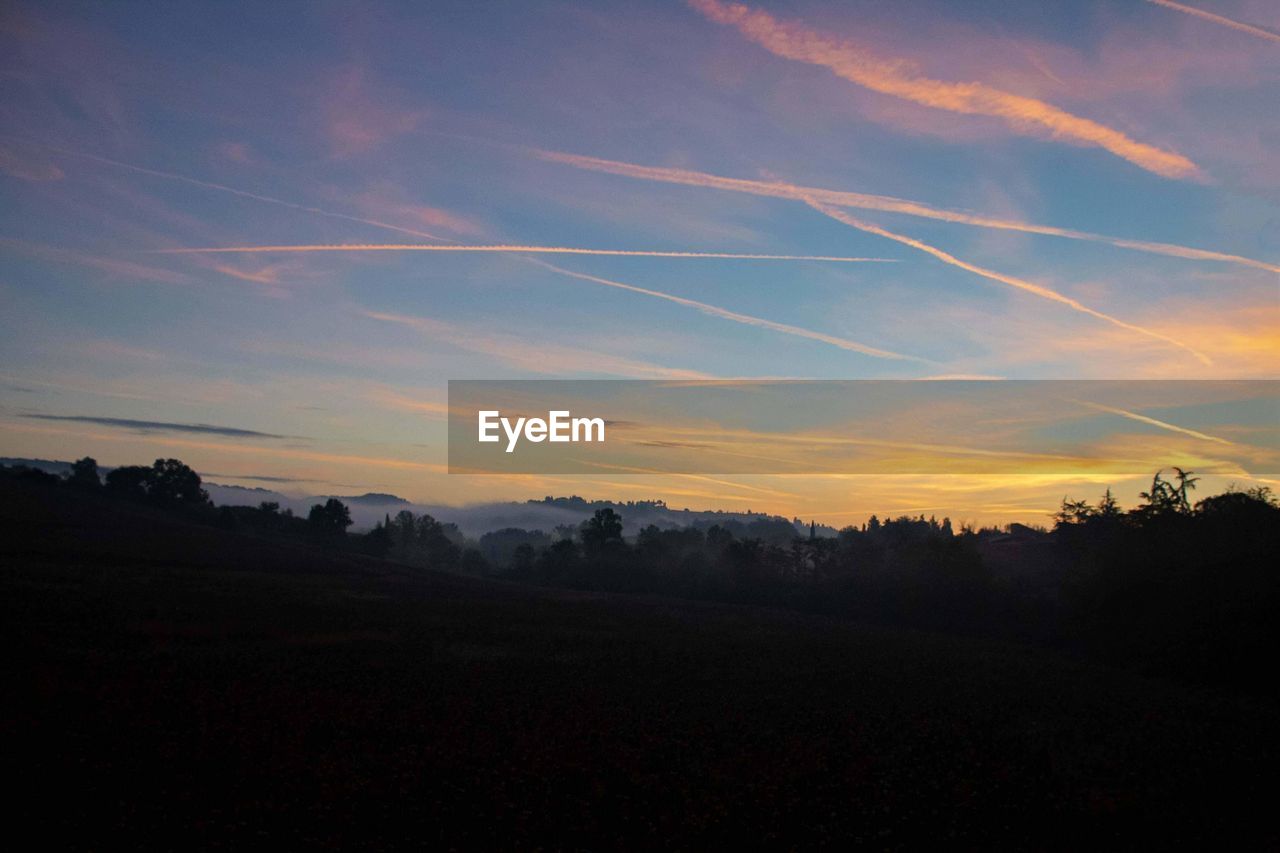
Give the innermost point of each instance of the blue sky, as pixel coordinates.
(132, 129)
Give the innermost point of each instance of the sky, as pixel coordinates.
(1061, 190)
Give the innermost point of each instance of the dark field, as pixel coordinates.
(172, 685)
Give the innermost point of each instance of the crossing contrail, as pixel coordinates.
(1021, 284)
(1219, 19)
(734, 316)
(889, 204)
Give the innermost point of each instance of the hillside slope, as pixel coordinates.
(177, 685)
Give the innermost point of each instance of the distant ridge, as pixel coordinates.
(367, 499)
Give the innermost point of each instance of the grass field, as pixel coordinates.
(171, 685)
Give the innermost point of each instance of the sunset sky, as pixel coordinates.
(1070, 190)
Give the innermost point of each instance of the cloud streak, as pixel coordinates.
(889, 204)
(894, 77)
(1219, 19)
(501, 249)
(160, 426)
(258, 450)
(209, 185)
(734, 316)
(550, 359)
(1143, 419)
(1021, 284)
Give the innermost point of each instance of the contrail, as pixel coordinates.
(1134, 416)
(893, 77)
(521, 250)
(1218, 19)
(745, 319)
(1021, 284)
(209, 185)
(865, 201)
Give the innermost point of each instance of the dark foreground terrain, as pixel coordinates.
(172, 685)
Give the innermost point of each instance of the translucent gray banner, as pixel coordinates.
(863, 427)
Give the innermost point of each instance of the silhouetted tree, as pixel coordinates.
(601, 529)
(84, 474)
(1073, 512)
(330, 519)
(1186, 483)
(129, 481)
(1108, 507)
(499, 546)
(377, 541)
(171, 483)
(1162, 498)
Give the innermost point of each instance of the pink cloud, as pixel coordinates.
(28, 165)
(390, 202)
(359, 116)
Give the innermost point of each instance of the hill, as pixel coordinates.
(173, 684)
(473, 519)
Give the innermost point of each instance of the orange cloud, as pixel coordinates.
(1219, 19)
(1243, 341)
(405, 403)
(865, 201)
(897, 78)
(1021, 284)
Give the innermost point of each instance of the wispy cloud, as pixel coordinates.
(745, 319)
(1021, 284)
(1219, 19)
(550, 359)
(897, 78)
(210, 185)
(431, 409)
(360, 114)
(272, 452)
(26, 165)
(113, 267)
(257, 478)
(519, 250)
(160, 426)
(865, 201)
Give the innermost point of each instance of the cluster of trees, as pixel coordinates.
(905, 569)
(173, 485)
(421, 540)
(1174, 587)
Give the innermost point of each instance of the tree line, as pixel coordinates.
(1173, 586)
